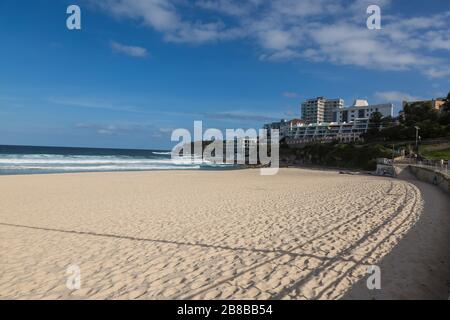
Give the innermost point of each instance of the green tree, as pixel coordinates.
(373, 131)
(444, 117)
(375, 121)
(419, 111)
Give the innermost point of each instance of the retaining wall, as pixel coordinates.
(431, 176)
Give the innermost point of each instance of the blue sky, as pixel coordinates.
(139, 68)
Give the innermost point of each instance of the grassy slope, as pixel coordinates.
(436, 151)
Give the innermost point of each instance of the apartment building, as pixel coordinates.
(327, 131)
(320, 109)
(283, 126)
(327, 120)
(331, 105)
(361, 109)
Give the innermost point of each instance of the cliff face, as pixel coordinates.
(233, 151)
(337, 155)
(351, 156)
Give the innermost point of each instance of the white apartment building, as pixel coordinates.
(342, 124)
(303, 133)
(361, 109)
(283, 126)
(320, 109)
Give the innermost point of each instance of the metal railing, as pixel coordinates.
(435, 165)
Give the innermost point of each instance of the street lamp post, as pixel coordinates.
(417, 138)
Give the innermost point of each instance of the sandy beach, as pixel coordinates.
(301, 234)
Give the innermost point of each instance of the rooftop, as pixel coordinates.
(360, 103)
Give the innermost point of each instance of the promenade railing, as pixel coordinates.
(435, 165)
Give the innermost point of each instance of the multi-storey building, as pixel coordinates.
(361, 109)
(283, 126)
(320, 109)
(331, 105)
(304, 133)
(343, 124)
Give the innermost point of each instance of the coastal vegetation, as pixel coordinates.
(433, 123)
(340, 155)
(436, 151)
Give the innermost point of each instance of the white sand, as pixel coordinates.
(301, 234)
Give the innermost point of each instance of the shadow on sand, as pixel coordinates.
(418, 267)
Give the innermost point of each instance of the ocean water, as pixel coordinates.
(33, 160)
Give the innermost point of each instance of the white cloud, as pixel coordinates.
(437, 72)
(124, 128)
(313, 30)
(344, 43)
(242, 116)
(394, 96)
(290, 94)
(276, 39)
(133, 51)
(295, 8)
(223, 6)
(92, 104)
(159, 14)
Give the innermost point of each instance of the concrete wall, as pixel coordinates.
(434, 177)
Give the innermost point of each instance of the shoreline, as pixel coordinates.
(197, 234)
(205, 168)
